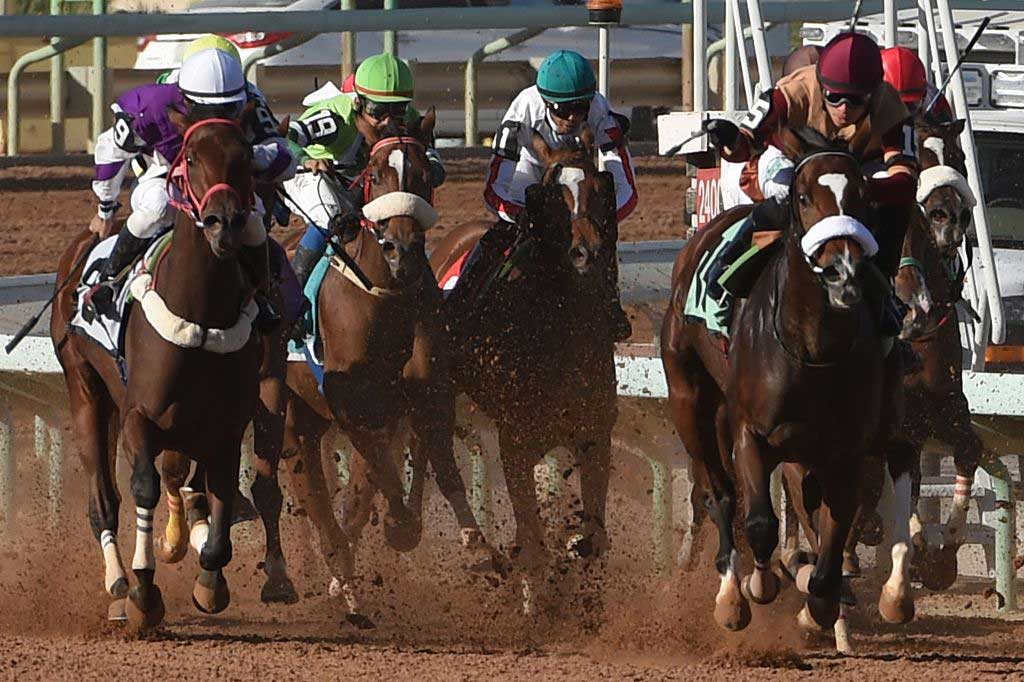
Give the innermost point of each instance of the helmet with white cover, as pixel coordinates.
(212, 77)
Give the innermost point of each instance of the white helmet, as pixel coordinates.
(212, 77)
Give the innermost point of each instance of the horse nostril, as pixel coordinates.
(211, 220)
(389, 248)
(579, 255)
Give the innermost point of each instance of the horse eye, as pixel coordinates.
(188, 160)
(374, 177)
(803, 199)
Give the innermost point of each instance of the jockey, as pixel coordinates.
(210, 84)
(564, 100)
(325, 137)
(845, 98)
(906, 74)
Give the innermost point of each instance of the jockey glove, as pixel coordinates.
(721, 132)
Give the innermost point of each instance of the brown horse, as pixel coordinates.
(191, 365)
(936, 405)
(804, 381)
(532, 349)
(386, 366)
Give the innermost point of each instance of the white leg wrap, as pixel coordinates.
(901, 547)
(915, 526)
(958, 514)
(842, 632)
(730, 579)
(144, 557)
(113, 569)
(198, 535)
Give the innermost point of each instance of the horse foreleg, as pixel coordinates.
(402, 528)
(594, 459)
(761, 525)
(145, 606)
(172, 546)
(896, 603)
(967, 451)
(529, 552)
(268, 435)
(210, 593)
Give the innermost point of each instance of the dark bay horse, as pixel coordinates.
(533, 351)
(191, 363)
(935, 402)
(386, 366)
(804, 380)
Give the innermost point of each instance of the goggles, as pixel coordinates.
(580, 107)
(382, 110)
(836, 99)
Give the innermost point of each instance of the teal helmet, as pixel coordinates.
(565, 76)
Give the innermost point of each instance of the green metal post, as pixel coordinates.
(55, 467)
(491, 48)
(14, 79)
(390, 37)
(56, 92)
(661, 501)
(480, 491)
(554, 476)
(99, 79)
(1006, 533)
(348, 44)
(6, 468)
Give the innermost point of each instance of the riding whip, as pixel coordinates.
(672, 150)
(34, 320)
(856, 16)
(959, 63)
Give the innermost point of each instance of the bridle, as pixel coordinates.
(193, 205)
(365, 178)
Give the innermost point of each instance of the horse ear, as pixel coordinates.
(957, 126)
(282, 127)
(177, 119)
(587, 138)
(542, 149)
(427, 126)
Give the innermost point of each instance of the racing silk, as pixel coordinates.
(327, 130)
(142, 130)
(515, 166)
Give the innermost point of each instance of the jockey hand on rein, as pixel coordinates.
(721, 132)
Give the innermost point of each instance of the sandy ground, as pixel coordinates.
(433, 620)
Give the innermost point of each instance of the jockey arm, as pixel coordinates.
(615, 155)
(900, 156)
(513, 167)
(758, 126)
(272, 156)
(111, 166)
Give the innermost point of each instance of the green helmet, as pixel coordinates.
(384, 78)
(565, 76)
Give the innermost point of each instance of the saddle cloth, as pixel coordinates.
(450, 278)
(308, 351)
(108, 332)
(700, 306)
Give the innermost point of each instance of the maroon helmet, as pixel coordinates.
(851, 64)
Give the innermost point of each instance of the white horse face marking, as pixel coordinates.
(938, 147)
(836, 182)
(396, 159)
(572, 177)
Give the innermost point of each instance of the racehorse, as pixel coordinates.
(935, 401)
(533, 351)
(386, 365)
(191, 366)
(803, 380)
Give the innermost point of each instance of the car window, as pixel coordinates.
(1001, 158)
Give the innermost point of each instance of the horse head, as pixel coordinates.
(911, 279)
(829, 207)
(944, 196)
(214, 175)
(588, 194)
(398, 193)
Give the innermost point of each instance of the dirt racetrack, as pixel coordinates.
(434, 621)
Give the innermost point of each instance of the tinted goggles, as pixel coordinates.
(383, 110)
(580, 107)
(839, 98)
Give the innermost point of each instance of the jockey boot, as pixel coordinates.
(482, 261)
(255, 262)
(126, 249)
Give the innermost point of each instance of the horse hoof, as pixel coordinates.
(733, 615)
(824, 611)
(119, 590)
(360, 621)
(760, 587)
(144, 617)
(167, 553)
(403, 536)
(937, 567)
(279, 590)
(851, 566)
(116, 611)
(896, 606)
(210, 594)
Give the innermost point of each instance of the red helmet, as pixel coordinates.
(850, 64)
(905, 72)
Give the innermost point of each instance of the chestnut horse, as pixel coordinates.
(533, 351)
(191, 396)
(804, 380)
(386, 366)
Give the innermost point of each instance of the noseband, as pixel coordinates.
(193, 205)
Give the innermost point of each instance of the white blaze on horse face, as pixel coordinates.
(396, 159)
(571, 178)
(837, 183)
(938, 147)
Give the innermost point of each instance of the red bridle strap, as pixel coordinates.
(179, 177)
(364, 177)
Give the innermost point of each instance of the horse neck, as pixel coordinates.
(369, 256)
(809, 326)
(921, 247)
(195, 284)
